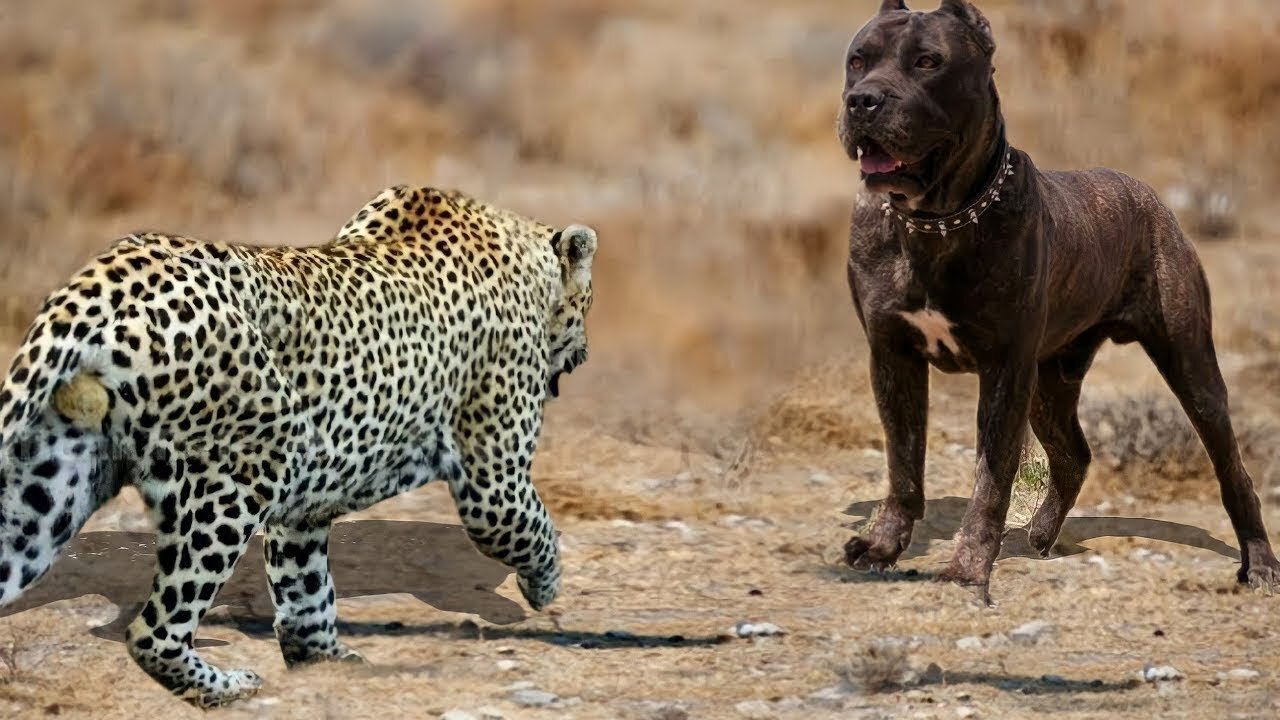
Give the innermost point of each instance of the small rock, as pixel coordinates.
(754, 709)
(506, 665)
(972, 642)
(963, 696)
(996, 640)
(534, 698)
(489, 713)
(457, 715)
(966, 711)
(1032, 633)
(820, 478)
(745, 629)
(664, 711)
(831, 697)
(1160, 674)
(519, 685)
(932, 675)
(506, 650)
(1240, 674)
(1146, 555)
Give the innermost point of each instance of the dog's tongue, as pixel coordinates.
(878, 161)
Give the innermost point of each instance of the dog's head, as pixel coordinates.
(918, 86)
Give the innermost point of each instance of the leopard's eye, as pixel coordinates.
(856, 63)
(928, 62)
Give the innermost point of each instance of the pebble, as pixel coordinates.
(965, 711)
(506, 665)
(931, 675)
(1032, 633)
(1160, 674)
(745, 522)
(489, 713)
(754, 709)
(972, 642)
(1240, 674)
(534, 698)
(745, 629)
(820, 478)
(457, 715)
(519, 685)
(654, 710)
(1146, 555)
(506, 650)
(996, 640)
(830, 696)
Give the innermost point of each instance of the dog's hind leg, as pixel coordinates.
(1056, 424)
(1180, 342)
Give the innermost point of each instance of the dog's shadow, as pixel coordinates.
(435, 563)
(942, 518)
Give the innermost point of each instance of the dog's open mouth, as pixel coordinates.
(875, 160)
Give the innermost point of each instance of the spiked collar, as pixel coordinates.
(968, 216)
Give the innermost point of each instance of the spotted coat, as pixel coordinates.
(243, 388)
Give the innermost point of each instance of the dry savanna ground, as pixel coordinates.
(705, 466)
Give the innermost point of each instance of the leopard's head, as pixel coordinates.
(575, 247)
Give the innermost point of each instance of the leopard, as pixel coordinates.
(246, 389)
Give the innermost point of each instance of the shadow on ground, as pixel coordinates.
(1029, 685)
(434, 563)
(942, 519)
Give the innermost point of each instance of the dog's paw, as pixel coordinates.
(1264, 576)
(980, 587)
(861, 554)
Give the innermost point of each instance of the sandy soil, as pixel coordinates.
(667, 548)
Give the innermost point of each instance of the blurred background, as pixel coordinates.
(697, 136)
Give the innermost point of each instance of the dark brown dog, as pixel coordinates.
(972, 260)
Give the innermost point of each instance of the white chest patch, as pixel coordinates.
(936, 329)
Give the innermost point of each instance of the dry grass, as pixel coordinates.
(880, 667)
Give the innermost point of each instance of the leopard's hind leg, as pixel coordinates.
(302, 590)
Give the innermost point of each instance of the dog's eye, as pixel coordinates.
(856, 63)
(927, 62)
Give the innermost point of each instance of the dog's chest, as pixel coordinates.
(937, 337)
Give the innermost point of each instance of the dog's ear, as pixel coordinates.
(974, 18)
(889, 5)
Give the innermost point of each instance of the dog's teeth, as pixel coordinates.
(860, 152)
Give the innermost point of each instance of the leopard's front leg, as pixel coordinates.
(496, 500)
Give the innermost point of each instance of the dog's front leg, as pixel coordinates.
(900, 382)
(1004, 396)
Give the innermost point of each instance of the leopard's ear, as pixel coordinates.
(891, 5)
(576, 247)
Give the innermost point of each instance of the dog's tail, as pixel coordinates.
(55, 461)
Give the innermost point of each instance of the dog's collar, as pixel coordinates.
(968, 216)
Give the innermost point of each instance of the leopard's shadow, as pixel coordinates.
(942, 518)
(435, 563)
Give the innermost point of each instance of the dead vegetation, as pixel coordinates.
(722, 316)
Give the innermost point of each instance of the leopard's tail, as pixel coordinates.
(56, 464)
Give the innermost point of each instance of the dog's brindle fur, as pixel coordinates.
(1024, 297)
